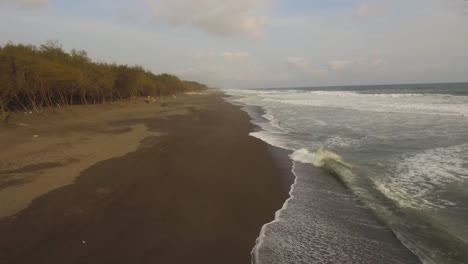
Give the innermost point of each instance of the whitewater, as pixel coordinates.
(401, 151)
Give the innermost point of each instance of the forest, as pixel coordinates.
(33, 78)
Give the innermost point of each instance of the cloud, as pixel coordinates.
(27, 3)
(359, 64)
(457, 6)
(235, 56)
(127, 15)
(339, 65)
(362, 10)
(304, 65)
(233, 76)
(227, 17)
(227, 55)
(434, 68)
(298, 62)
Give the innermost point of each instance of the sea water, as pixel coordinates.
(401, 150)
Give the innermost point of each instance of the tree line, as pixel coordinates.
(32, 78)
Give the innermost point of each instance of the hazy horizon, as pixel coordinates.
(258, 43)
(349, 85)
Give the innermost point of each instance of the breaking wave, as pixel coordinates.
(320, 158)
(434, 104)
(331, 162)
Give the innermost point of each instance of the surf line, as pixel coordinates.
(255, 253)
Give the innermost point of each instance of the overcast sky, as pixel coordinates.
(258, 43)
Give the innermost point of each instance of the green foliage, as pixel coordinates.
(35, 77)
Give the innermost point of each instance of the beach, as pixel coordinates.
(136, 182)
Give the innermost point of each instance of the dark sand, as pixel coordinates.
(199, 194)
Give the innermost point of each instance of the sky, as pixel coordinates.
(258, 43)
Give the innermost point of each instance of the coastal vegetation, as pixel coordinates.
(33, 78)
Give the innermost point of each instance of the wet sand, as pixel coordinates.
(196, 189)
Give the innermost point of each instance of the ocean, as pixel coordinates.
(399, 151)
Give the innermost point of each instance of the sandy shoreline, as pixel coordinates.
(44, 152)
(179, 184)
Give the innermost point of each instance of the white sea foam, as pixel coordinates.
(387, 149)
(273, 121)
(337, 141)
(365, 95)
(436, 104)
(261, 238)
(418, 178)
(304, 232)
(274, 139)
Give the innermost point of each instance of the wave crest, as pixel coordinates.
(319, 158)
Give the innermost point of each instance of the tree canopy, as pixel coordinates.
(32, 78)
